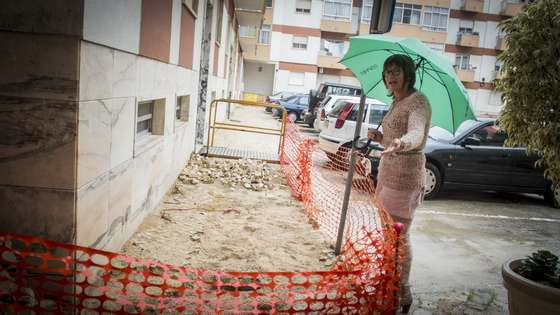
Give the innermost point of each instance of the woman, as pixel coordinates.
(401, 170)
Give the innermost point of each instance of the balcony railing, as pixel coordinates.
(465, 75)
(473, 5)
(511, 8)
(468, 39)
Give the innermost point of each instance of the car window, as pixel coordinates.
(304, 100)
(339, 107)
(353, 116)
(376, 114)
(490, 136)
(325, 101)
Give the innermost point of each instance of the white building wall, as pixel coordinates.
(284, 13)
(114, 23)
(175, 32)
(283, 82)
(281, 49)
(259, 82)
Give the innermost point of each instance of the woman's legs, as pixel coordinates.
(406, 294)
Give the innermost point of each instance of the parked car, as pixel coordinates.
(475, 158)
(275, 98)
(324, 90)
(338, 130)
(325, 108)
(295, 106)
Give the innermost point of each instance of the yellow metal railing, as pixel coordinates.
(213, 125)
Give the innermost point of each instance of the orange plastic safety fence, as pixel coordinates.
(43, 277)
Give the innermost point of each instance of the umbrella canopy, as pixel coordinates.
(435, 76)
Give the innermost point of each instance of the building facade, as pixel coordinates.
(103, 103)
(301, 42)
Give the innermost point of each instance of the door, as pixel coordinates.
(523, 171)
(482, 160)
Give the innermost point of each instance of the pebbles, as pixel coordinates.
(246, 173)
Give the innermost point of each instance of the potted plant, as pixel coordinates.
(533, 284)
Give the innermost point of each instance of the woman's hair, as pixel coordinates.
(407, 65)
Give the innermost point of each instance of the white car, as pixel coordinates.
(341, 122)
(325, 108)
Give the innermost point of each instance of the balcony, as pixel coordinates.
(468, 39)
(501, 43)
(416, 31)
(473, 5)
(336, 26)
(331, 62)
(260, 52)
(249, 12)
(511, 9)
(465, 75)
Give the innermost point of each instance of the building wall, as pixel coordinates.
(39, 59)
(284, 13)
(259, 82)
(282, 49)
(123, 176)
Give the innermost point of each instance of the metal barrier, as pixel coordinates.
(235, 153)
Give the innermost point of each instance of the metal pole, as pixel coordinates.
(348, 187)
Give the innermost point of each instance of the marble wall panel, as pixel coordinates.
(38, 142)
(50, 17)
(144, 188)
(124, 74)
(120, 203)
(92, 211)
(39, 66)
(47, 213)
(123, 113)
(94, 140)
(146, 78)
(97, 65)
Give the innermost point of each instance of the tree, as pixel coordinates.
(531, 82)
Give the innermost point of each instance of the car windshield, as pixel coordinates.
(440, 134)
(464, 126)
(290, 98)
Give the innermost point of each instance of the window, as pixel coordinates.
(296, 78)
(435, 18)
(145, 115)
(332, 47)
(303, 6)
(366, 10)
(299, 42)
(192, 4)
(462, 62)
(466, 27)
(269, 3)
(304, 100)
(247, 31)
(150, 118)
(264, 37)
(407, 13)
(338, 9)
(182, 108)
(219, 22)
(490, 136)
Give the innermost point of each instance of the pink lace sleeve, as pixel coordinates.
(418, 121)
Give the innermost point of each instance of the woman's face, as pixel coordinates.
(394, 77)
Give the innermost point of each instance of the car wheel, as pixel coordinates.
(552, 195)
(311, 124)
(433, 181)
(293, 116)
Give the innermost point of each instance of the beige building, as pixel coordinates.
(102, 104)
(301, 42)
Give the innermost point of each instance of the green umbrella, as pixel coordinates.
(435, 76)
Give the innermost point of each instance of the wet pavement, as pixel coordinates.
(460, 241)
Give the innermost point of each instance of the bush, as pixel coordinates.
(531, 82)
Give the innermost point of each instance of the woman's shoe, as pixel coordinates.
(405, 308)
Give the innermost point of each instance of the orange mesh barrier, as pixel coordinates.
(43, 277)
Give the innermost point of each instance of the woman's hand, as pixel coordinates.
(396, 146)
(375, 135)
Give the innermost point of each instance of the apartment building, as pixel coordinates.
(301, 42)
(103, 103)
